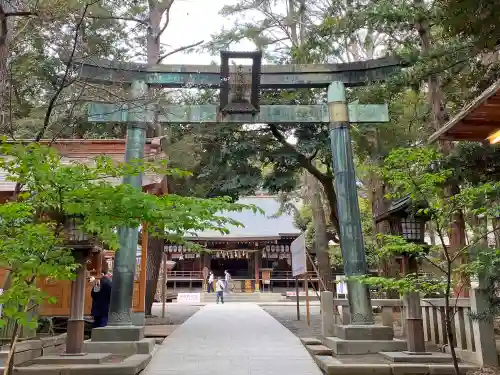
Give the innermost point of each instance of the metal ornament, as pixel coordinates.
(239, 92)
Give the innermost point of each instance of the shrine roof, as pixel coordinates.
(257, 226)
(85, 151)
(476, 121)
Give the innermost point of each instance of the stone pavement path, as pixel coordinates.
(234, 338)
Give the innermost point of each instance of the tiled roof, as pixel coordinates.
(256, 225)
(5, 185)
(9, 186)
(85, 151)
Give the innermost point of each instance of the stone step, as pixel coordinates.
(130, 366)
(318, 350)
(332, 366)
(87, 359)
(145, 346)
(364, 332)
(310, 341)
(242, 297)
(349, 347)
(426, 358)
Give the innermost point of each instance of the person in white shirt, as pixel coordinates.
(227, 278)
(219, 289)
(210, 287)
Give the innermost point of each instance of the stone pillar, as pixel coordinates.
(76, 323)
(257, 270)
(484, 334)
(327, 315)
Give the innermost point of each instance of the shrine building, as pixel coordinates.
(257, 255)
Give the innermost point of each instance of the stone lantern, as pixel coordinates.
(404, 218)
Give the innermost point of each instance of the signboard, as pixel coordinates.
(298, 250)
(266, 274)
(341, 285)
(188, 297)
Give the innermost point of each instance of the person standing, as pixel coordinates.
(210, 286)
(227, 279)
(101, 296)
(219, 290)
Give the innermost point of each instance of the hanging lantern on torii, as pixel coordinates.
(240, 84)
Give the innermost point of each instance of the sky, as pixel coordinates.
(192, 21)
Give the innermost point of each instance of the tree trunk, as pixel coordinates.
(380, 204)
(155, 246)
(9, 363)
(332, 205)
(456, 232)
(320, 235)
(153, 264)
(6, 24)
(496, 224)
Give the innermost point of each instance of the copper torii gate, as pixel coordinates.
(139, 111)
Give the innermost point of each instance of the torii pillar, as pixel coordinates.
(361, 336)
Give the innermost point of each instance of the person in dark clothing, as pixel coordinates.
(101, 296)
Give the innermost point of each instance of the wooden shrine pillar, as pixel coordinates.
(257, 260)
(143, 271)
(76, 323)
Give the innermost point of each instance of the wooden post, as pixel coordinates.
(297, 296)
(76, 323)
(144, 255)
(257, 271)
(100, 259)
(164, 286)
(316, 270)
(306, 286)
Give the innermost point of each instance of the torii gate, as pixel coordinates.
(237, 106)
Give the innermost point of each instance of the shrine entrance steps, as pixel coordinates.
(234, 338)
(244, 297)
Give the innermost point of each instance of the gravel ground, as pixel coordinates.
(287, 316)
(176, 314)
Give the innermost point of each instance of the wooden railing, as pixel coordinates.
(197, 275)
(287, 275)
(187, 275)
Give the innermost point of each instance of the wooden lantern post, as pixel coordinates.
(257, 271)
(76, 322)
(143, 272)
